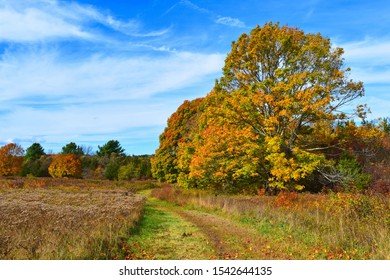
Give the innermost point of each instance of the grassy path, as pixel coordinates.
(172, 232)
(163, 234)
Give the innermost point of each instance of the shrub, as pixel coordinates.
(11, 159)
(129, 171)
(286, 199)
(66, 166)
(37, 167)
(353, 176)
(381, 186)
(112, 169)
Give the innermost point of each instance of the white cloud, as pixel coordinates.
(99, 77)
(219, 19)
(89, 124)
(80, 119)
(195, 7)
(369, 59)
(37, 20)
(230, 21)
(33, 25)
(368, 49)
(379, 106)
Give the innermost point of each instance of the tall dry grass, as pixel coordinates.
(325, 226)
(65, 219)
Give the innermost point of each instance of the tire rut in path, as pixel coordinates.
(231, 240)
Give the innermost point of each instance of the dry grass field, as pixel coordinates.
(65, 219)
(99, 219)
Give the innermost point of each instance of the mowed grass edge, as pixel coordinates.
(162, 234)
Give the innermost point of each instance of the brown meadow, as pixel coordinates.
(65, 219)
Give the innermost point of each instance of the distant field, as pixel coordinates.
(65, 219)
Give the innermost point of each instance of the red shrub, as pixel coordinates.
(286, 199)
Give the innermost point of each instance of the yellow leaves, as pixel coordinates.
(66, 166)
(364, 132)
(224, 153)
(287, 171)
(283, 113)
(269, 98)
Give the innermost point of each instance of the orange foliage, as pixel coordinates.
(11, 159)
(181, 124)
(66, 166)
(286, 199)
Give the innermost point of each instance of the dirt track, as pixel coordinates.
(230, 240)
(226, 238)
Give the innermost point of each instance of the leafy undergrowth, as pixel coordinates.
(65, 219)
(301, 226)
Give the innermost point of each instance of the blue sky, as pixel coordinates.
(89, 71)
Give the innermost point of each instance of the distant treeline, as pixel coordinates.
(109, 162)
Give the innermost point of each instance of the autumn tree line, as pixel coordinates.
(279, 118)
(109, 162)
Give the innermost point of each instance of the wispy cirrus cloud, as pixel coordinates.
(369, 59)
(99, 77)
(219, 19)
(195, 7)
(27, 20)
(32, 24)
(97, 93)
(235, 22)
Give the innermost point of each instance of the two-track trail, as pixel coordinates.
(172, 232)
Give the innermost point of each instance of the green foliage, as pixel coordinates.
(111, 147)
(129, 171)
(352, 174)
(112, 170)
(34, 152)
(385, 125)
(72, 148)
(112, 167)
(111, 163)
(37, 167)
(137, 168)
